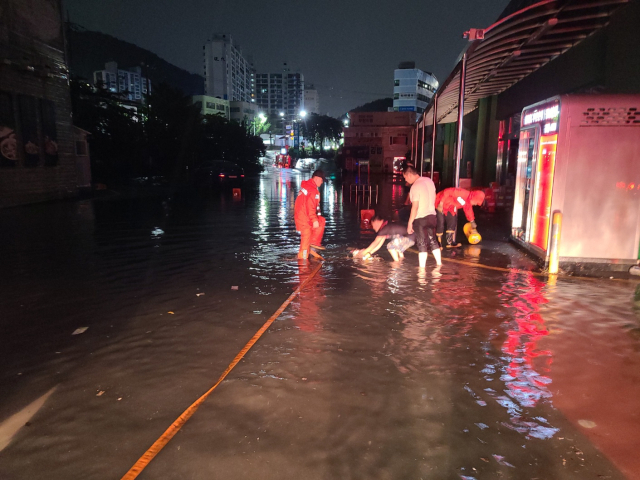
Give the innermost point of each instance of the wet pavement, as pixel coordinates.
(376, 371)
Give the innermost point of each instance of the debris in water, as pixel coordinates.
(199, 294)
(100, 393)
(171, 313)
(234, 287)
(80, 330)
(500, 459)
(586, 423)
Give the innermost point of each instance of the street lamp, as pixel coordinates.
(303, 113)
(262, 119)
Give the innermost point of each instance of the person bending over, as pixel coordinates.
(399, 239)
(423, 215)
(448, 201)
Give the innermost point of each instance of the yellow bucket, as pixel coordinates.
(472, 234)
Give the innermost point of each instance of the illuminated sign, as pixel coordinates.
(547, 115)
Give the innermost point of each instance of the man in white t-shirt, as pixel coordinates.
(423, 218)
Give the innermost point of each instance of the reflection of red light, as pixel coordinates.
(631, 186)
(544, 186)
(621, 185)
(221, 175)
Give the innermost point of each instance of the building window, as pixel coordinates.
(81, 148)
(400, 140)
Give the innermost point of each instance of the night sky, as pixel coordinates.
(347, 48)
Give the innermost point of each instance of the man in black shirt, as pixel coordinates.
(399, 239)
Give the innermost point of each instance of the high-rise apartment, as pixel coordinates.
(413, 88)
(311, 101)
(130, 82)
(280, 93)
(228, 74)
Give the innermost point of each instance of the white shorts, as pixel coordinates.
(400, 243)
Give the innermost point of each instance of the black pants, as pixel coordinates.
(425, 228)
(450, 219)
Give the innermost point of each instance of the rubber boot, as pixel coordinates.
(451, 240)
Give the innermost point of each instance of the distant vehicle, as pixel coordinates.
(219, 172)
(283, 161)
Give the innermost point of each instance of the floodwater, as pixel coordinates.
(375, 371)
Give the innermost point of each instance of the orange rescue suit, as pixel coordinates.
(453, 198)
(306, 213)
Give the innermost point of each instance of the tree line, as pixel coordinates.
(167, 136)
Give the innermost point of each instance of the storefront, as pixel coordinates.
(580, 155)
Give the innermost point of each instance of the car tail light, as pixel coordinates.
(221, 175)
(241, 176)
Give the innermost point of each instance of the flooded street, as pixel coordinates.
(376, 370)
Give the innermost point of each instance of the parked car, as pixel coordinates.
(219, 172)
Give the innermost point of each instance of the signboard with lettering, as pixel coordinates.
(547, 115)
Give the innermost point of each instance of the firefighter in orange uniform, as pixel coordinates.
(448, 201)
(308, 222)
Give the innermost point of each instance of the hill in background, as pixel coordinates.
(89, 51)
(380, 105)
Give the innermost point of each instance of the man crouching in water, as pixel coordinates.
(306, 212)
(399, 239)
(423, 215)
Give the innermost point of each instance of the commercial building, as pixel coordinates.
(231, 110)
(412, 88)
(311, 100)
(37, 147)
(129, 83)
(228, 74)
(380, 140)
(550, 121)
(212, 105)
(242, 111)
(280, 93)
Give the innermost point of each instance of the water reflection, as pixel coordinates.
(526, 384)
(306, 310)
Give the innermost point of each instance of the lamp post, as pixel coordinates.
(303, 114)
(284, 129)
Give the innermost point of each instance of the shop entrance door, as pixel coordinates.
(524, 184)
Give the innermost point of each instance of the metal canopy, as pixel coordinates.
(517, 46)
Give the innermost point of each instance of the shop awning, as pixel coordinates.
(517, 46)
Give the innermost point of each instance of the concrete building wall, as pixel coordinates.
(413, 89)
(243, 111)
(382, 136)
(311, 100)
(212, 105)
(37, 160)
(228, 74)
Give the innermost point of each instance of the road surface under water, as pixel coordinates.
(376, 371)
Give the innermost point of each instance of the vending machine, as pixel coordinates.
(580, 155)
